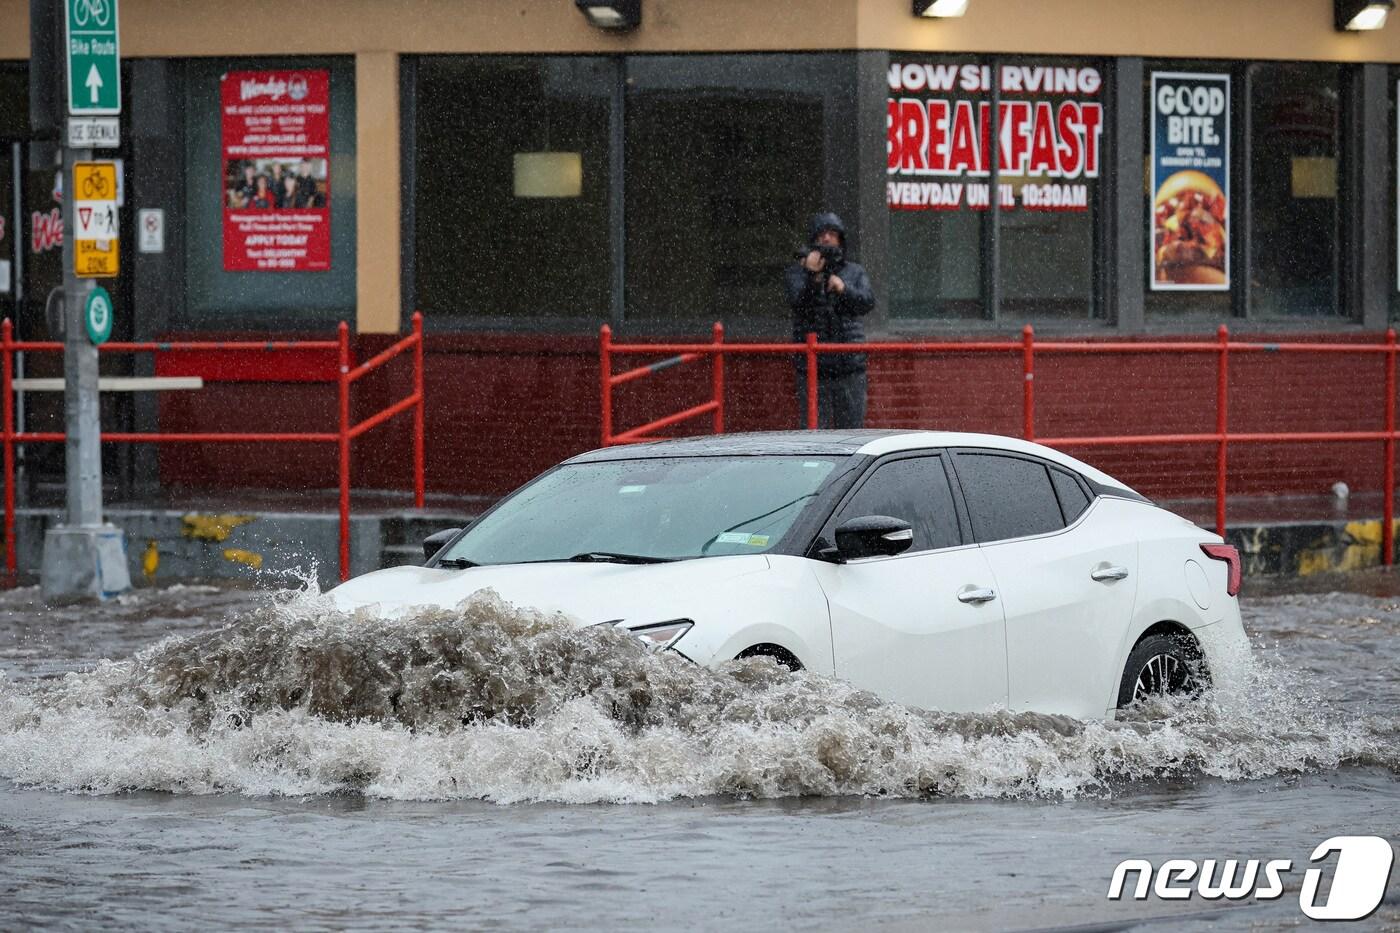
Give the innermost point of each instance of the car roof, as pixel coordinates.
(914, 440)
(871, 442)
(839, 443)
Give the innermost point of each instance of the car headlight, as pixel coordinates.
(663, 635)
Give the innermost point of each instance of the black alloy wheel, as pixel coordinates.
(1159, 665)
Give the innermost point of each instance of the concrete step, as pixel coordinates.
(413, 528)
(401, 555)
(272, 548)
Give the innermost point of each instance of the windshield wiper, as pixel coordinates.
(705, 548)
(785, 505)
(612, 557)
(457, 563)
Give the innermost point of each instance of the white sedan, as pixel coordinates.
(959, 572)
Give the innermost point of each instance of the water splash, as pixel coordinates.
(490, 701)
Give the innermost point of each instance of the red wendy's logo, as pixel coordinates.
(45, 231)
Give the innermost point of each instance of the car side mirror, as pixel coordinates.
(437, 541)
(872, 536)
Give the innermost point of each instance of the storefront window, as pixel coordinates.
(270, 191)
(1053, 131)
(1051, 156)
(1294, 119)
(939, 263)
(1392, 148)
(13, 119)
(511, 203)
(11, 236)
(14, 101)
(725, 158)
(936, 190)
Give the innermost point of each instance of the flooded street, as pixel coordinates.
(255, 759)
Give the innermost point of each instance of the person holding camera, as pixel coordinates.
(829, 295)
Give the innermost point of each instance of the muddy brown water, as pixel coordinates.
(221, 757)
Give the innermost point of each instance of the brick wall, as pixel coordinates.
(501, 408)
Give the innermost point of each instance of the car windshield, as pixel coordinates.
(663, 508)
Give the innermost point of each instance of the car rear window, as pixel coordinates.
(1008, 497)
(1073, 499)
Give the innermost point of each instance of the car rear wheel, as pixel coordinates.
(1160, 665)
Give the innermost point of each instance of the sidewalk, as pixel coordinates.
(256, 533)
(1296, 535)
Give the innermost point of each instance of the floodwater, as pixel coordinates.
(216, 757)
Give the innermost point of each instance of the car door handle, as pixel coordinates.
(976, 594)
(1109, 573)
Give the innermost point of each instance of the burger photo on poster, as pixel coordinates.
(1189, 226)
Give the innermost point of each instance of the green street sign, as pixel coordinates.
(94, 69)
(97, 314)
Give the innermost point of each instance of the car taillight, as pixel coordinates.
(1230, 555)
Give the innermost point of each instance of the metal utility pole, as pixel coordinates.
(84, 558)
(81, 418)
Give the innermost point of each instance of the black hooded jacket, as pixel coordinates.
(833, 318)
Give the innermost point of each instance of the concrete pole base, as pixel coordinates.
(84, 563)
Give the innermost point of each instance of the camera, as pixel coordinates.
(832, 256)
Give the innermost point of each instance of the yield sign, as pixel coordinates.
(95, 200)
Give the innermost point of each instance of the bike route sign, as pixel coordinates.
(94, 70)
(97, 315)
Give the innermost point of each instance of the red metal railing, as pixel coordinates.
(345, 431)
(715, 406)
(1221, 348)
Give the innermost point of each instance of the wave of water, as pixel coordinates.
(489, 701)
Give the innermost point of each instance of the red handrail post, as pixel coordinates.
(1388, 521)
(1222, 388)
(343, 384)
(811, 380)
(1028, 368)
(719, 377)
(343, 436)
(605, 371)
(419, 483)
(7, 386)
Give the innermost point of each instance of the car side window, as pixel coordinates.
(1008, 497)
(1073, 500)
(915, 489)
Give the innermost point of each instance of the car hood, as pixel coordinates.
(586, 592)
